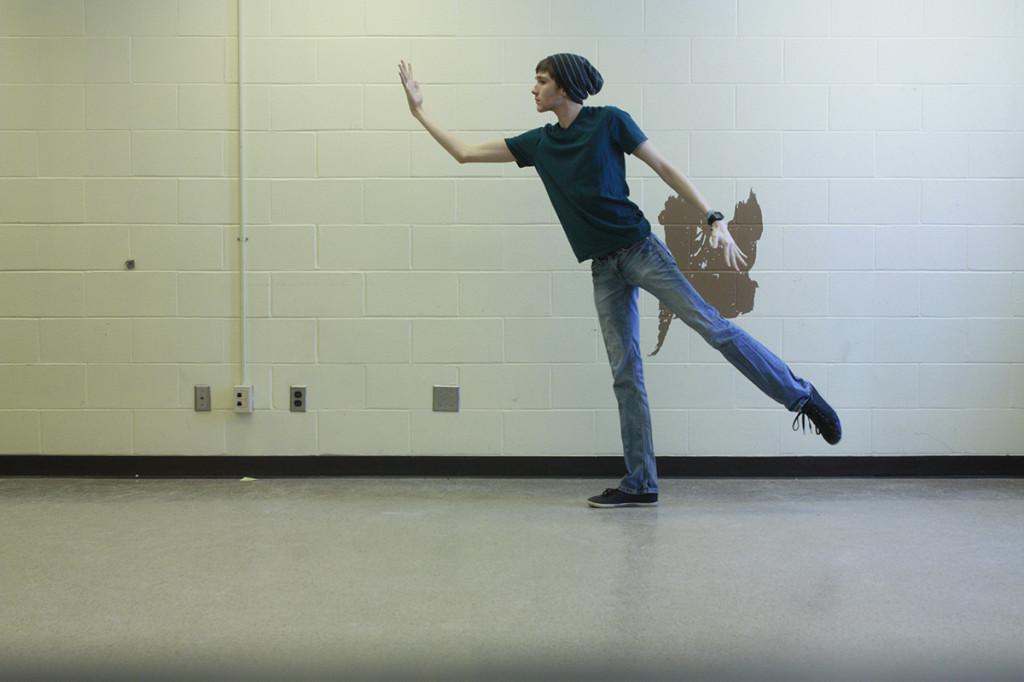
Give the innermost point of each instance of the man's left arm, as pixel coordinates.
(720, 236)
(646, 152)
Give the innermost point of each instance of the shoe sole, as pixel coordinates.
(604, 505)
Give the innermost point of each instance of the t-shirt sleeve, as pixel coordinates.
(524, 146)
(625, 132)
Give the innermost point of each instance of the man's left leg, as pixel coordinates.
(654, 268)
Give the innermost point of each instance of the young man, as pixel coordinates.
(580, 160)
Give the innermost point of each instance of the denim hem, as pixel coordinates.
(799, 404)
(638, 492)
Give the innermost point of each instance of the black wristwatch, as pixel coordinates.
(712, 216)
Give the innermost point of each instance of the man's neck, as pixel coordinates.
(568, 113)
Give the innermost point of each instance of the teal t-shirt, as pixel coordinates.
(584, 173)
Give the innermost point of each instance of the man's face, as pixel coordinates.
(546, 92)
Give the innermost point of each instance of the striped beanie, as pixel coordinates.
(579, 76)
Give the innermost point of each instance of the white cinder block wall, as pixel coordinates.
(883, 140)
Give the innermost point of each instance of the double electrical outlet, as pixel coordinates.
(245, 398)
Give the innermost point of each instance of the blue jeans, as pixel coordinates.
(649, 264)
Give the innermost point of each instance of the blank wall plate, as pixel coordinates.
(446, 398)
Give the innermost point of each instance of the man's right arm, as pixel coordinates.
(493, 151)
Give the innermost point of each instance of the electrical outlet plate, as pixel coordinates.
(297, 399)
(245, 397)
(202, 397)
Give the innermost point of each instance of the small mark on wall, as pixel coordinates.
(731, 292)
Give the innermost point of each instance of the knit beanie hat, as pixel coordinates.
(579, 76)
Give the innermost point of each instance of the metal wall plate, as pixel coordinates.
(297, 399)
(202, 398)
(446, 398)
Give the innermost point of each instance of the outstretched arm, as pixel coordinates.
(646, 152)
(452, 144)
(493, 151)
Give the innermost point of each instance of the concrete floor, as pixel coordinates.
(385, 578)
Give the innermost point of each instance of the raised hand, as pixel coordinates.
(412, 87)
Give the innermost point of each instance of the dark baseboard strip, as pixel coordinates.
(272, 466)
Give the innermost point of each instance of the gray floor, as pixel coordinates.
(507, 579)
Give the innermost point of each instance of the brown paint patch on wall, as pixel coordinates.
(731, 292)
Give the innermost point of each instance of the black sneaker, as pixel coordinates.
(613, 497)
(825, 420)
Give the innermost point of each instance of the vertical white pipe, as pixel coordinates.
(243, 238)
